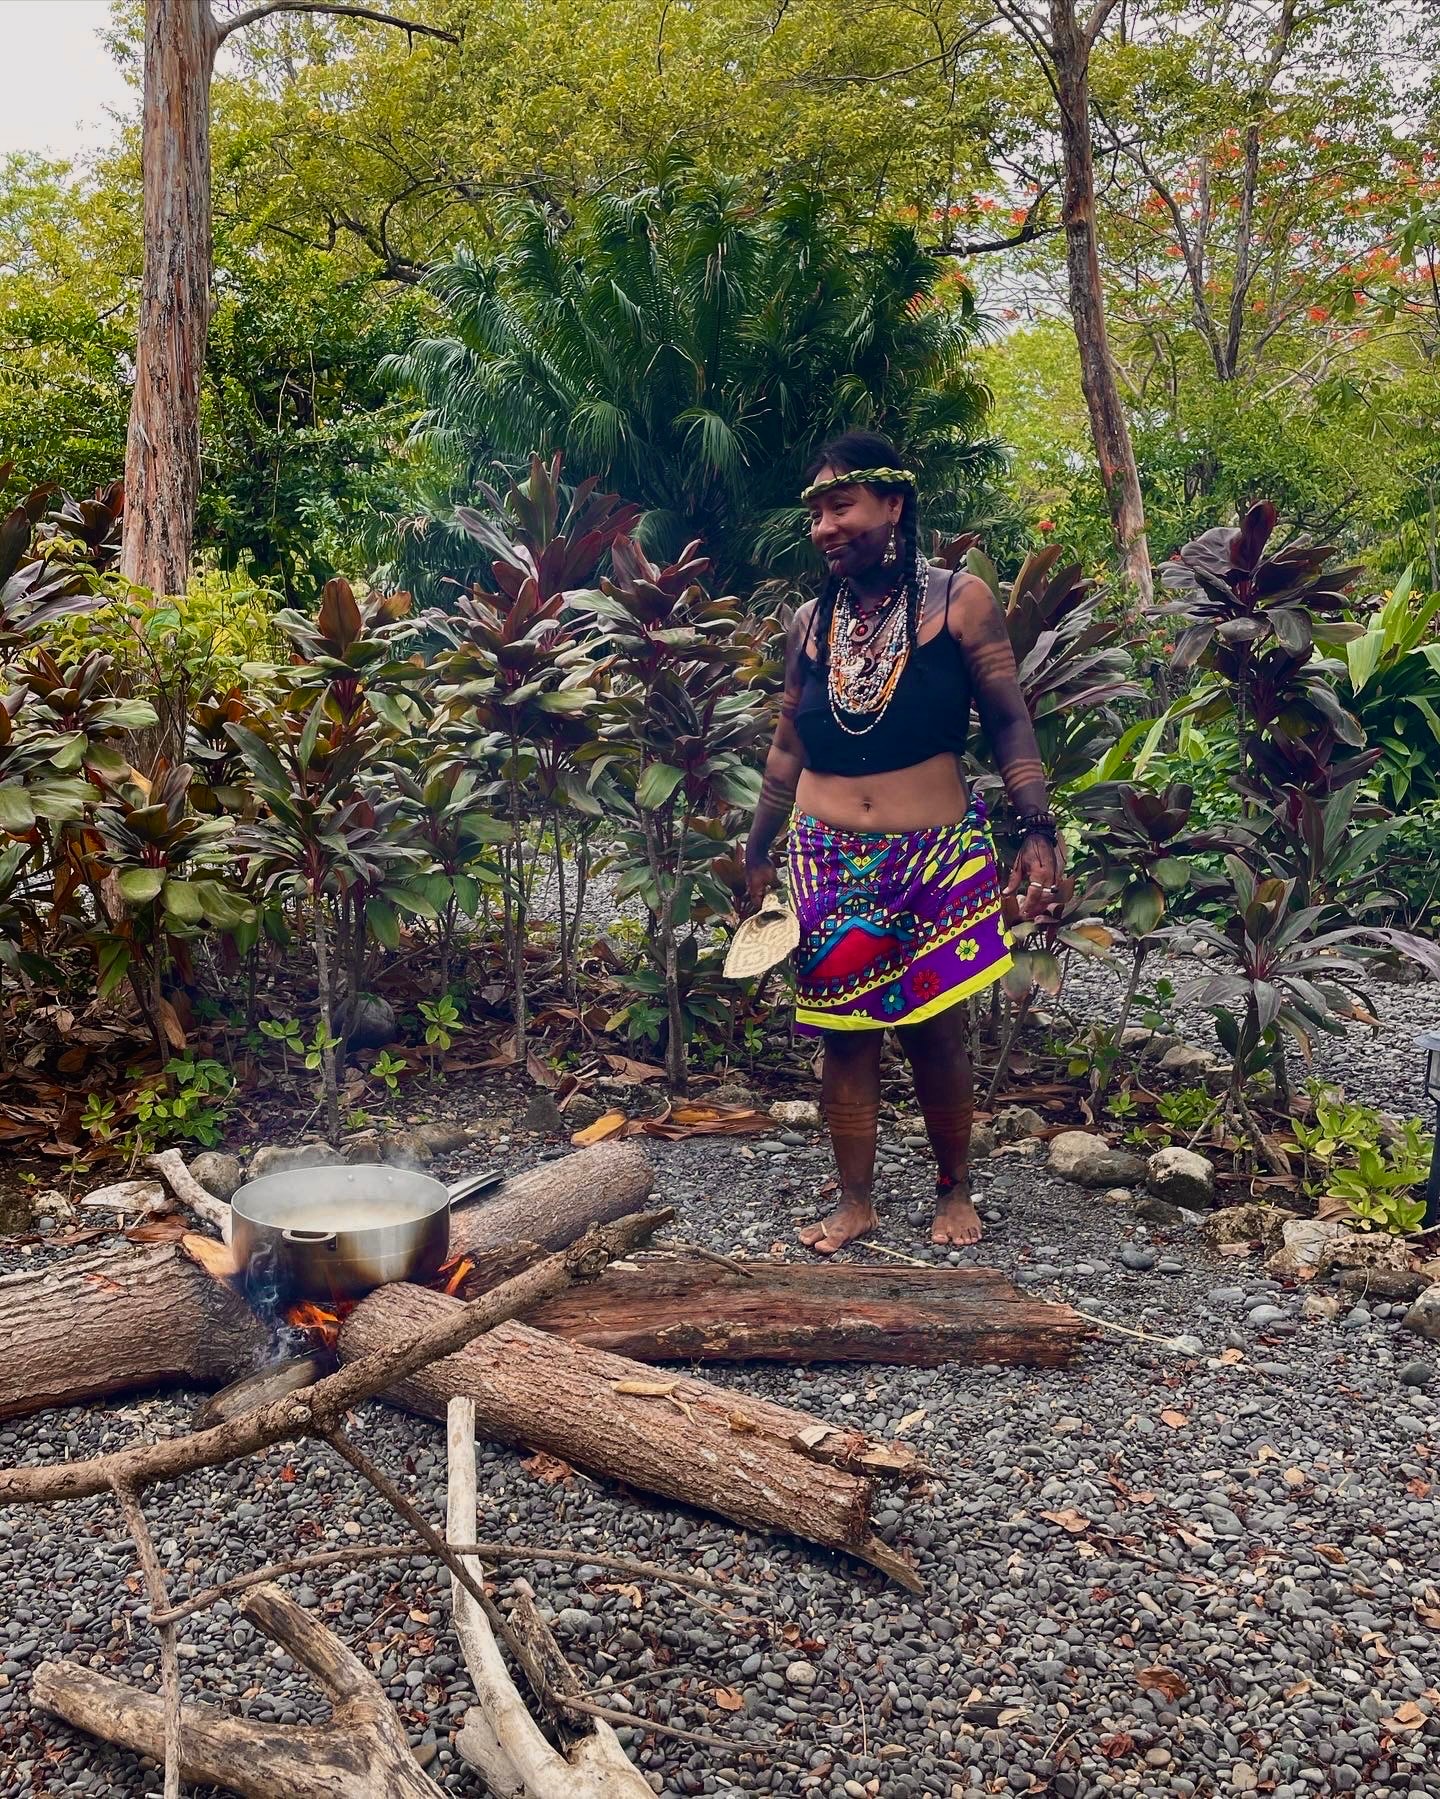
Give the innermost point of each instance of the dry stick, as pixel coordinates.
(169, 1164)
(358, 1554)
(169, 1659)
(524, 1652)
(709, 1255)
(352, 1453)
(312, 1410)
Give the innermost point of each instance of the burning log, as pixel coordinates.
(669, 1308)
(116, 1320)
(362, 1752)
(725, 1452)
(552, 1204)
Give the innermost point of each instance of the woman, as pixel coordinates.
(892, 870)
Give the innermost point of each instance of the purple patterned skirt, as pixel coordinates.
(894, 927)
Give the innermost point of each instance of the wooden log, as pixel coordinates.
(684, 1439)
(682, 1308)
(554, 1202)
(115, 1321)
(362, 1752)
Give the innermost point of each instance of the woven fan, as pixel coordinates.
(764, 939)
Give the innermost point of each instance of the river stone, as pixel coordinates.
(1157, 1211)
(285, 1158)
(584, 1111)
(218, 1173)
(1416, 1374)
(1302, 1243)
(1424, 1316)
(730, 1093)
(982, 1142)
(1181, 1177)
(1089, 1161)
(543, 1114)
(1014, 1123)
(1320, 1305)
(796, 1114)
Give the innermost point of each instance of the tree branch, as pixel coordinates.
(224, 27)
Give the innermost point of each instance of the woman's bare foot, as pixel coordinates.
(956, 1220)
(852, 1218)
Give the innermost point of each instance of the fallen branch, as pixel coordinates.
(361, 1753)
(357, 1554)
(499, 1737)
(315, 1409)
(169, 1164)
(169, 1658)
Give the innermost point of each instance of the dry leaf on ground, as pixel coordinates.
(548, 1468)
(1163, 1680)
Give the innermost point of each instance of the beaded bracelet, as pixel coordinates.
(1039, 824)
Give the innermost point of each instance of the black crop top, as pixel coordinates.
(929, 713)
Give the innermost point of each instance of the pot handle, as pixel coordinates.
(476, 1183)
(308, 1237)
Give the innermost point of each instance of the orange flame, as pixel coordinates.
(463, 1266)
(321, 1321)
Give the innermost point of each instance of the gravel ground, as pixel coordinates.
(1250, 1514)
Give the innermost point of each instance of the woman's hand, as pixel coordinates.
(760, 878)
(1036, 876)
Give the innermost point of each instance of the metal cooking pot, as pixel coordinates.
(334, 1233)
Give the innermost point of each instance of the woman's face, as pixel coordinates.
(850, 526)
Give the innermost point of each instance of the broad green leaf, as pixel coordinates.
(657, 784)
(183, 902)
(138, 886)
(16, 813)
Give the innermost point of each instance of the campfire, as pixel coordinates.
(556, 1285)
(317, 1321)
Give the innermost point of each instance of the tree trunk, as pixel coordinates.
(361, 1752)
(685, 1309)
(550, 1205)
(116, 1321)
(1071, 48)
(684, 1439)
(162, 451)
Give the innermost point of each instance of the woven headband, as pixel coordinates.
(860, 477)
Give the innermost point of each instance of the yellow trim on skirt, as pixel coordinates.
(855, 1021)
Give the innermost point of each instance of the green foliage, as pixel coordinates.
(1355, 1157)
(187, 1103)
(1393, 670)
(388, 1069)
(694, 347)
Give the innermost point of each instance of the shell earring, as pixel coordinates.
(891, 552)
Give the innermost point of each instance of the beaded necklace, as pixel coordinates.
(867, 652)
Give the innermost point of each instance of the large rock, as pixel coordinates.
(1355, 1249)
(1424, 1316)
(285, 1158)
(796, 1114)
(1089, 1161)
(218, 1173)
(982, 1142)
(1187, 1063)
(1303, 1241)
(371, 1024)
(543, 1114)
(1181, 1177)
(1250, 1223)
(1017, 1122)
(1397, 1285)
